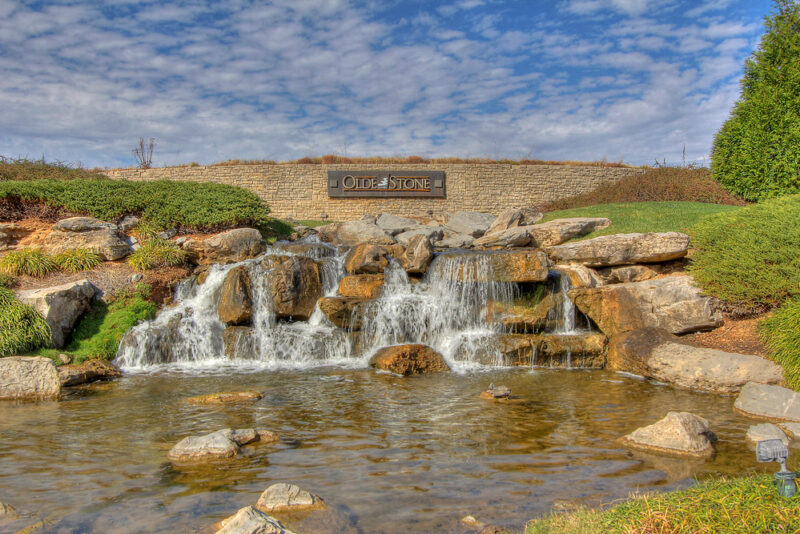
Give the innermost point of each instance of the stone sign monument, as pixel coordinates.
(385, 184)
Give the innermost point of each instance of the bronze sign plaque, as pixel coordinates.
(386, 184)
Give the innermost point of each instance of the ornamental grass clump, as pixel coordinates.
(781, 334)
(7, 281)
(157, 253)
(77, 260)
(21, 328)
(27, 261)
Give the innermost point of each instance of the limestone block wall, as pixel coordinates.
(300, 191)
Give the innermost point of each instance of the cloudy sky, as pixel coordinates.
(633, 80)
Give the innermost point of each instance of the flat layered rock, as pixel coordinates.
(393, 224)
(316, 251)
(672, 303)
(580, 275)
(28, 377)
(288, 498)
(352, 233)
(406, 360)
(226, 397)
(87, 233)
(249, 520)
(227, 247)
(584, 351)
(769, 402)
(433, 233)
(766, 431)
(455, 240)
(513, 218)
(654, 353)
(501, 266)
(623, 249)
(87, 372)
(471, 223)
(61, 306)
(365, 286)
(677, 434)
(559, 231)
(511, 238)
(638, 273)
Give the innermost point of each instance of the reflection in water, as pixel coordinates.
(391, 454)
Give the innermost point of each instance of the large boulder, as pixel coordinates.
(553, 350)
(228, 247)
(559, 231)
(639, 273)
(518, 236)
(501, 266)
(316, 251)
(623, 249)
(434, 233)
(366, 259)
(417, 255)
(89, 371)
(365, 286)
(471, 223)
(455, 240)
(580, 275)
(33, 377)
(672, 303)
(677, 434)
(61, 306)
(654, 353)
(513, 218)
(393, 225)
(10, 233)
(249, 520)
(523, 319)
(409, 360)
(296, 285)
(288, 498)
(769, 402)
(235, 305)
(352, 233)
(87, 233)
(344, 312)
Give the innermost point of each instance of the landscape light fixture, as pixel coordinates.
(323, 216)
(430, 213)
(774, 450)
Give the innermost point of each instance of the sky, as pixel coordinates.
(626, 80)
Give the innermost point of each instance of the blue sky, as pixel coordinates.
(634, 80)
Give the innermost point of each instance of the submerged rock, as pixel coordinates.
(288, 498)
(406, 360)
(87, 372)
(87, 233)
(220, 445)
(496, 392)
(228, 247)
(677, 434)
(227, 397)
(623, 249)
(61, 306)
(249, 520)
(366, 286)
(33, 377)
(769, 402)
(672, 303)
(235, 305)
(418, 255)
(766, 431)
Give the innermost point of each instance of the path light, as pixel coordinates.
(430, 213)
(323, 216)
(774, 450)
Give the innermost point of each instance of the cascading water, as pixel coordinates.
(566, 315)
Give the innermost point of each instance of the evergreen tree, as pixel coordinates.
(756, 153)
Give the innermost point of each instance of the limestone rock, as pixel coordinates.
(296, 285)
(10, 233)
(87, 233)
(365, 286)
(578, 351)
(672, 303)
(128, 223)
(764, 431)
(496, 392)
(235, 305)
(471, 223)
(227, 397)
(61, 306)
(654, 353)
(769, 402)
(792, 429)
(87, 372)
(316, 251)
(511, 238)
(352, 233)
(238, 341)
(344, 312)
(455, 240)
(558, 231)
(527, 319)
(409, 360)
(678, 434)
(623, 249)
(513, 218)
(288, 498)
(580, 275)
(366, 259)
(418, 254)
(214, 446)
(28, 377)
(505, 266)
(249, 520)
(433, 233)
(393, 225)
(638, 273)
(227, 247)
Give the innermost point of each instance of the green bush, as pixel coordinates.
(7, 281)
(27, 261)
(162, 204)
(750, 256)
(756, 153)
(77, 260)
(781, 334)
(25, 169)
(157, 253)
(21, 328)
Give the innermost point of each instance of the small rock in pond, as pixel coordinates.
(89, 371)
(7, 511)
(471, 521)
(765, 431)
(496, 392)
(288, 498)
(678, 434)
(214, 446)
(227, 397)
(248, 520)
(243, 436)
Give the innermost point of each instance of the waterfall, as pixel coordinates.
(565, 312)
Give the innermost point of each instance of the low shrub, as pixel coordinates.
(77, 260)
(27, 261)
(7, 281)
(781, 334)
(157, 253)
(750, 256)
(25, 169)
(21, 328)
(655, 185)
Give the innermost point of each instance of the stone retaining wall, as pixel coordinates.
(300, 191)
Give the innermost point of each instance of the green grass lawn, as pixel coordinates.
(631, 217)
(741, 505)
